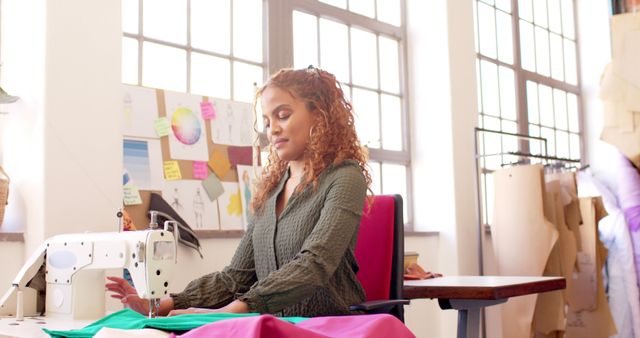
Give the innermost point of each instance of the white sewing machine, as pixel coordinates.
(74, 277)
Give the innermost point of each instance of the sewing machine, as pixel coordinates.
(73, 266)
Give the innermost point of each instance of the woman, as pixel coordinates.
(297, 256)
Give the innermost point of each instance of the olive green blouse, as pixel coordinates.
(299, 264)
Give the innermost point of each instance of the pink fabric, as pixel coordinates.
(267, 326)
(374, 248)
(629, 193)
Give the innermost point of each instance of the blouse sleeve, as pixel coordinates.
(321, 252)
(217, 289)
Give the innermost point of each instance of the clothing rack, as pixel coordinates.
(525, 158)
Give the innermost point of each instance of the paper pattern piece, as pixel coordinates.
(247, 178)
(240, 155)
(200, 171)
(219, 163)
(233, 124)
(140, 110)
(188, 198)
(208, 110)
(172, 171)
(522, 239)
(162, 126)
(188, 139)
(131, 195)
(230, 207)
(213, 187)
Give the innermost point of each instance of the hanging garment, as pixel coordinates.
(522, 239)
(629, 193)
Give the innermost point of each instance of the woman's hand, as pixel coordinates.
(127, 294)
(236, 306)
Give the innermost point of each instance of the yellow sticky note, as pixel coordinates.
(172, 171)
(235, 205)
(219, 163)
(162, 126)
(131, 195)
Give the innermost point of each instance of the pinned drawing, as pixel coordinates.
(247, 178)
(230, 207)
(233, 124)
(187, 198)
(142, 160)
(187, 140)
(140, 110)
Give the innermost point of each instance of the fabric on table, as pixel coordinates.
(107, 332)
(129, 319)
(355, 326)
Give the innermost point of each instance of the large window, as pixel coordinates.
(223, 48)
(212, 48)
(527, 72)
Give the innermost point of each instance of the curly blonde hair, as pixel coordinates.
(333, 137)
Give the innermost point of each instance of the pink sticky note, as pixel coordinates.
(200, 171)
(208, 111)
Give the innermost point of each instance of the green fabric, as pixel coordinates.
(301, 263)
(129, 319)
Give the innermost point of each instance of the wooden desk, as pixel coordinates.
(468, 294)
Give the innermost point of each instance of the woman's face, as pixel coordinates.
(288, 123)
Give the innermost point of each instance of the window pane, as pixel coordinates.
(570, 65)
(245, 79)
(490, 101)
(363, 7)
(534, 145)
(545, 102)
(334, 47)
(557, 60)
(505, 44)
(560, 109)
(305, 40)
(574, 144)
(572, 108)
(562, 144)
(540, 13)
(504, 5)
(507, 93)
(525, 10)
(479, 87)
(164, 67)
(376, 176)
(129, 61)
(365, 106)
(389, 11)
(542, 51)
(394, 181)
(567, 19)
(210, 76)
(475, 26)
(555, 21)
(211, 25)
(247, 29)
(490, 2)
(389, 65)
(391, 108)
(337, 3)
(130, 16)
(158, 13)
(364, 63)
(509, 143)
(527, 46)
(492, 123)
(532, 102)
(487, 28)
(549, 135)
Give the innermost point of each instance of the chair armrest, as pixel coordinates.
(378, 304)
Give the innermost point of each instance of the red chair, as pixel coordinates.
(380, 255)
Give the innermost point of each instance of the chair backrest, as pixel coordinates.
(380, 249)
